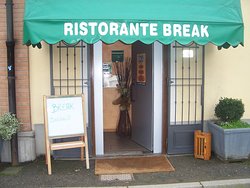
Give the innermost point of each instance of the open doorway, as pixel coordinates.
(113, 143)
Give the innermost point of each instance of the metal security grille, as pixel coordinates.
(186, 84)
(69, 69)
(69, 72)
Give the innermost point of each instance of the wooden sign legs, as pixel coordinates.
(67, 145)
(65, 117)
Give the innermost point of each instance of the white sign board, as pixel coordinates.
(65, 116)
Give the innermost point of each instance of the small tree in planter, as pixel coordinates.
(9, 126)
(229, 110)
(229, 140)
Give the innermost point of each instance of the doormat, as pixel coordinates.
(128, 165)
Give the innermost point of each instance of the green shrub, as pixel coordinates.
(229, 110)
(9, 125)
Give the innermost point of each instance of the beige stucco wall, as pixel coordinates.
(39, 80)
(227, 71)
(226, 74)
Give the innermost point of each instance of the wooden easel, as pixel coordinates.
(82, 143)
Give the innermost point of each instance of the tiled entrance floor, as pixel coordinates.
(116, 145)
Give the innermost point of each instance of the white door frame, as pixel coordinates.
(157, 97)
(98, 97)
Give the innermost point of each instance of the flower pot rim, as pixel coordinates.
(211, 122)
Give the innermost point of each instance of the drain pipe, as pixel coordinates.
(10, 43)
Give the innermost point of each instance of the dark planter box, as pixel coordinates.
(230, 144)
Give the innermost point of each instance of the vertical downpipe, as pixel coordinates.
(10, 43)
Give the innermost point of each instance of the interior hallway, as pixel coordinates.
(116, 145)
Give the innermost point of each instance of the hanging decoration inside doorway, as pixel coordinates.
(124, 77)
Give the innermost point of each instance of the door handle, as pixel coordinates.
(170, 81)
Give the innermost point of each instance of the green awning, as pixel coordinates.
(200, 21)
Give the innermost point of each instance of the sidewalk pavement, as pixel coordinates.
(237, 183)
(189, 173)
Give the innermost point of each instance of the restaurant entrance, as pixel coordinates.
(141, 112)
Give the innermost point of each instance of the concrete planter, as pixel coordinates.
(230, 144)
(26, 148)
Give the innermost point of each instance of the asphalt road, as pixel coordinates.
(73, 173)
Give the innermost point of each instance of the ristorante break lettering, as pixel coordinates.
(135, 29)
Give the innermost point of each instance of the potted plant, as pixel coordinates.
(9, 125)
(230, 135)
(124, 76)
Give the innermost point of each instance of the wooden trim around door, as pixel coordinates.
(92, 100)
(166, 58)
